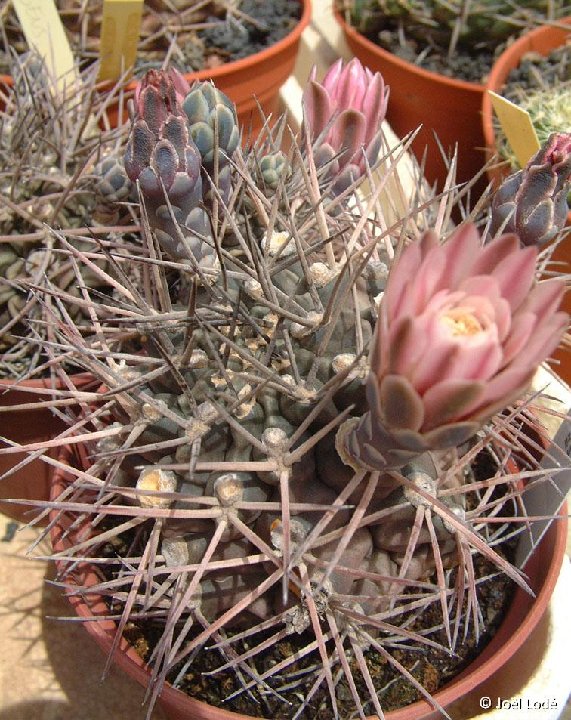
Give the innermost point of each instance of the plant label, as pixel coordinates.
(45, 34)
(518, 128)
(120, 29)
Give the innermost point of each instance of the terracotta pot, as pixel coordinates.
(32, 482)
(542, 40)
(442, 105)
(247, 82)
(542, 571)
(5, 83)
(259, 77)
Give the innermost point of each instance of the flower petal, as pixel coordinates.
(501, 391)
(405, 347)
(317, 109)
(515, 275)
(461, 251)
(545, 298)
(449, 400)
(347, 135)
(493, 253)
(401, 405)
(401, 275)
(522, 327)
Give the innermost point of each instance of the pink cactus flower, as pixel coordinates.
(462, 329)
(343, 114)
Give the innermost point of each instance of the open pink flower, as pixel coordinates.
(462, 329)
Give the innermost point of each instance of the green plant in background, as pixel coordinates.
(274, 458)
(446, 27)
(542, 87)
(49, 152)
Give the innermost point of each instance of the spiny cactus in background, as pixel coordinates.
(193, 33)
(48, 148)
(533, 202)
(448, 25)
(247, 514)
(540, 85)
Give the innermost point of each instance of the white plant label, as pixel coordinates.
(45, 33)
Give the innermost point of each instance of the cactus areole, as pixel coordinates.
(296, 397)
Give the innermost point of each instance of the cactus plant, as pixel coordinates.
(540, 85)
(53, 187)
(533, 202)
(441, 31)
(275, 459)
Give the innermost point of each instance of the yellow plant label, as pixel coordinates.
(517, 127)
(120, 29)
(45, 33)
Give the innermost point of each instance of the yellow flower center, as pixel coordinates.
(464, 323)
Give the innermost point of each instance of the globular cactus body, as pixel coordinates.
(296, 455)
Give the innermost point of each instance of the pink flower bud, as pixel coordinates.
(343, 115)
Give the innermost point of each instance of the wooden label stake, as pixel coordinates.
(45, 34)
(120, 29)
(517, 127)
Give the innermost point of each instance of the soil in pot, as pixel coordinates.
(432, 668)
(248, 55)
(436, 39)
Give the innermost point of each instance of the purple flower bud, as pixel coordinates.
(533, 202)
(160, 144)
(162, 156)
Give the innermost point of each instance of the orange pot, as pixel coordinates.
(32, 482)
(259, 77)
(542, 571)
(247, 82)
(442, 105)
(542, 40)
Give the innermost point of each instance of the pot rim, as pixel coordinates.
(82, 377)
(126, 657)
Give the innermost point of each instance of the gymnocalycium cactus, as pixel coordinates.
(229, 485)
(49, 147)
